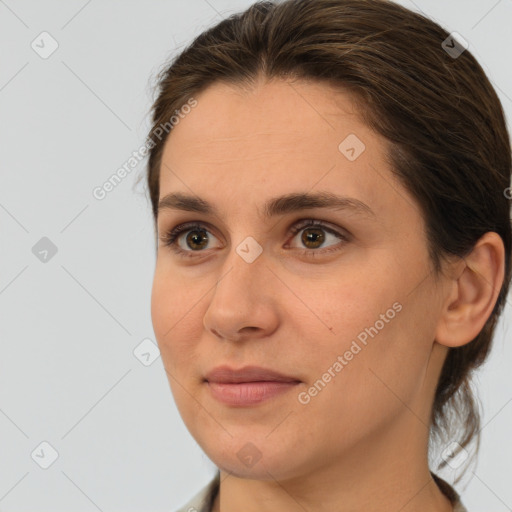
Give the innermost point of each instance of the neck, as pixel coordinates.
(387, 473)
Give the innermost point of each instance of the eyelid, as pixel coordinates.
(311, 222)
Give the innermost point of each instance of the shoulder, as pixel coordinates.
(202, 501)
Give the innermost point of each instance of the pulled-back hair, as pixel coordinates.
(447, 137)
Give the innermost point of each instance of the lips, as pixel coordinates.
(249, 386)
(228, 375)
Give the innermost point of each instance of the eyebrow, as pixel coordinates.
(273, 207)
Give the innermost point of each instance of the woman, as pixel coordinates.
(334, 252)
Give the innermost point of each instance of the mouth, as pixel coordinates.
(250, 385)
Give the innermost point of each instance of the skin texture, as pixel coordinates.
(361, 442)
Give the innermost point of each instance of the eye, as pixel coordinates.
(189, 238)
(197, 238)
(314, 234)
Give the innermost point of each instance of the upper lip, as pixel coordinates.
(246, 374)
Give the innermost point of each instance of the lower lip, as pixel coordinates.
(248, 393)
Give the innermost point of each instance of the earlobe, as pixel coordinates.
(472, 292)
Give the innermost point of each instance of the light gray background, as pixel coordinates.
(68, 328)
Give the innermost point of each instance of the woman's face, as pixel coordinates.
(348, 307)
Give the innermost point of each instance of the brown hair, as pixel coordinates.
(447, 135)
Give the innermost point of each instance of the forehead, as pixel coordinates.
(275, 138)
(270, 116)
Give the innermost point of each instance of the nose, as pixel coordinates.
(243, 304)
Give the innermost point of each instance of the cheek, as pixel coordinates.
(342, 307)
(335, 333)
(372, 335)
(174, 314)
(174, 311)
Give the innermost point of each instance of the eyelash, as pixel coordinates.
(169, 239)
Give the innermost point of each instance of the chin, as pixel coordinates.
(256, 460)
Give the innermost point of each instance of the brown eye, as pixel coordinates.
(197, 239)
(188, 238)
(313, 236)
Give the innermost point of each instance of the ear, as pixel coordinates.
(472, 291)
